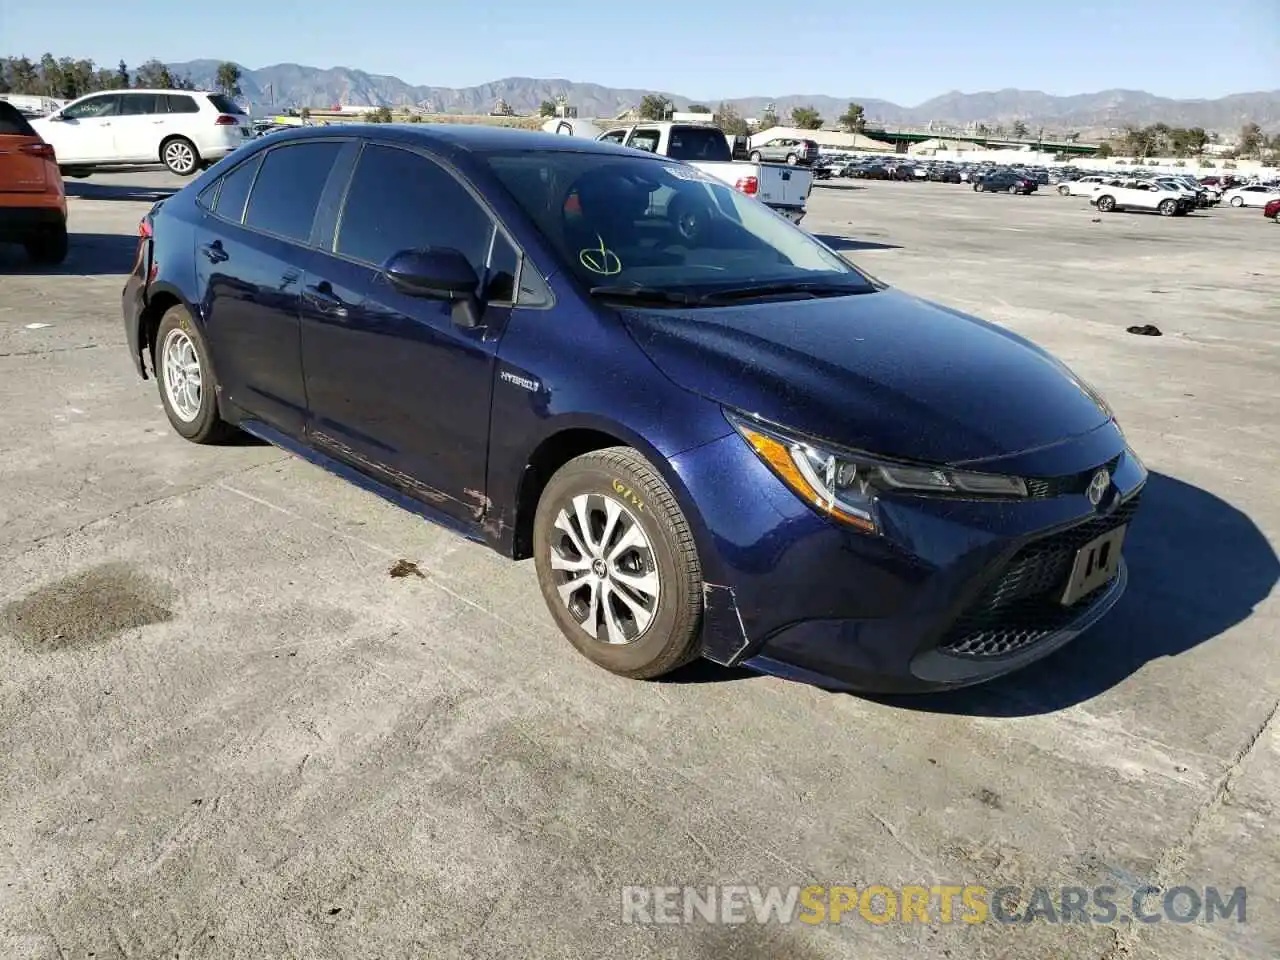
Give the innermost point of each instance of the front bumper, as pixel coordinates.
(954, 592)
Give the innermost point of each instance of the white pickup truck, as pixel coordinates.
(782, 188)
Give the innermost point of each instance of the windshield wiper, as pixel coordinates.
(812, 288)
(648, 294)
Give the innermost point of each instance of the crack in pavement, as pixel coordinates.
(1175, 856)
(37, 542)
(41, 353)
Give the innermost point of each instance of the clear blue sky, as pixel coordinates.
(901, 50)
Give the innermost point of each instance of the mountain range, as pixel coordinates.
(294, 85)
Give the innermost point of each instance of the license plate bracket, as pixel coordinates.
(1095, 564)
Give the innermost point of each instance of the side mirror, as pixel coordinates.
(437, 273)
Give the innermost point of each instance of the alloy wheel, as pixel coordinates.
(183, 380)
(605, 570)
(179, 157)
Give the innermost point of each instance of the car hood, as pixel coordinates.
(883, 372)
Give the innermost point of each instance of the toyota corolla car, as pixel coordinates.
(713, 435)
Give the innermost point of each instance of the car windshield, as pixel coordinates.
(630, 222)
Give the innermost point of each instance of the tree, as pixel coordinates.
(768, 119)
(1019, 129)
(698, 108)
(1250, 140)
(122, 76)
(1104, 151)
(305, 113)
(379, 115)
(853, 120)
(228, 79)
(154, 75)
(982, 130)
(806, 118)
(728, 120)
(547, 109)
(653, 107)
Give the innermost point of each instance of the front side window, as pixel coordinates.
(614, 136)
(92, 107)
(646, 140)
(635, 221)
(399, 200)
(288, 188)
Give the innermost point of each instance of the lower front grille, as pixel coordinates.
(1020, 607)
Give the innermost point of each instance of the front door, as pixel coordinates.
(84, 131)
(252, 250)
(394, 385)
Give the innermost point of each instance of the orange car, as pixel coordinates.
(33, 204)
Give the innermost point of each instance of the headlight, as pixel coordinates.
(845, 484)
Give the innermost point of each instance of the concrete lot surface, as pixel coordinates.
(227, 732)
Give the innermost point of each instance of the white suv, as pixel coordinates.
(183, 129)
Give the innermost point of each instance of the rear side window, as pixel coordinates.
(234, 191)
(13, 123)
(288, 189)
(402, 201)
(698, 143)
(224, 104)
(180, 103)
(135, 104)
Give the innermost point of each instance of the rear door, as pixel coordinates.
(251, 254)
(136, 130)
(395, 386)
(22, 168)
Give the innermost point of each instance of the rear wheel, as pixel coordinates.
(1237, 201)
(977, 188)
(1168, 208)
(617, 564)
(1064, 190)
(1014, 188)
(48, 247)
(180, 155)
(755, 156)
(184, 373)
(792, 159)
(1106, 204)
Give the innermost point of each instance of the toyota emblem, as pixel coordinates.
(1098, 486)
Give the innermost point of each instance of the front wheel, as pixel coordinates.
(1106, 204)
(977, 188)
(1168, 208)
(1014, 189)
(792, 159)
(755, 156)
(1064, 190)
(617, 564)
(1237, 201)
(180, 156)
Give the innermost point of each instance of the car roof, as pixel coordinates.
(470, 138)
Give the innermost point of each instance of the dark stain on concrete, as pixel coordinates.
(85, 609)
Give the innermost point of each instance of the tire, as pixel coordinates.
(1168, 208)
(192, 414)
(619, 481)
(49, 247)
(977, 188)
(1106, 204)
(181, 156)
(792, 159)
(1237, 201)
(755, 156)
(1014, 189)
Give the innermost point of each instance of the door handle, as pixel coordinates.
(322, 297)
(214, 253)
(106, 123)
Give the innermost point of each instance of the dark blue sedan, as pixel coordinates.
(713, 435)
